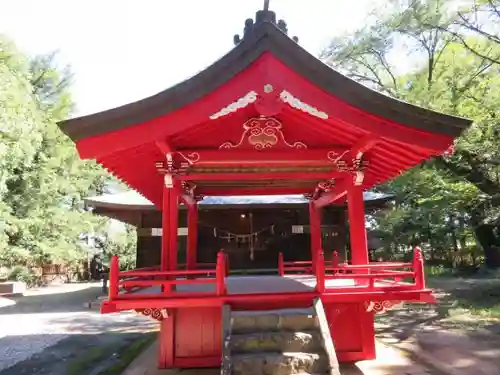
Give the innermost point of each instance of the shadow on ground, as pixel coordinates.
(94, 323)
(64, 301)
(448, 331)
(457, 298)
(80, 354)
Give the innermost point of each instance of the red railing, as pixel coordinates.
(143, 269)
(372, 277)
(199, 265)
(294, 267)
(388, 274)
(207, 265)
(302, 267)
(167, 280)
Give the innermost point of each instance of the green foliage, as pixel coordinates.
(42, 179)
(122, 244)
(24, 274)
(449, 206)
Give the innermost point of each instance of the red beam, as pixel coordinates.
(341, 295)
(251, 191)
(338, 192)
(164, 146)
(188, 200)
(261, 176)
(260, 157)
(364, 145)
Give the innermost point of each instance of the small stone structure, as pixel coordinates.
(10, 288)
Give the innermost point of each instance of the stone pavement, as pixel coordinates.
(32, 325)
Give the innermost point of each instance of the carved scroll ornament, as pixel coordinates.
(170, 168)
(356, 166)
(326, 185)
(381, 307)
(191, 158)
(262, 133)
(156, 314)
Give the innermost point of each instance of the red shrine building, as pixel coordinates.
(267, 118)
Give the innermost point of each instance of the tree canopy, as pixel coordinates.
(449, 205)
(42, 180)
(440, 54)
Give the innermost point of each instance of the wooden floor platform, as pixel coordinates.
(262, 284)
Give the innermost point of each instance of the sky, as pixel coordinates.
(124, 50)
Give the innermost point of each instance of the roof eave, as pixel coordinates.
(265, 37)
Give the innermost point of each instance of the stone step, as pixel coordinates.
(285, 341)
(96, 303)
(268, 363)
(273, 320)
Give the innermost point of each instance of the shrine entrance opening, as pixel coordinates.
(252, 235)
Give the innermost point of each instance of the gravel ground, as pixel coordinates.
(44, 331)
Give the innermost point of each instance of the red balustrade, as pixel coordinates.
(281, 265)
(387, 274)
(301, 267)
(167, 280)
(372, 277)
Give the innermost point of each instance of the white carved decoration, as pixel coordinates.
(285, 96)
(359, 174)
(233, 107)
(298, 104)
(359, 178)
(169, 181)
(268, 88)
(335, 156)
(191, 158)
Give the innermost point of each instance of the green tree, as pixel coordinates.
(447, 199)
(43, 181)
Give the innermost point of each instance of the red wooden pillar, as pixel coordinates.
(170, 219)
(357, 228)
(315, 231)
(173, 227)
(192, 237)
(165, 222)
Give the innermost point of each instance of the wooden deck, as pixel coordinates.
(262, 284)
(296, 285)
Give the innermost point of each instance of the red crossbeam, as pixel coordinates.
(335, 194)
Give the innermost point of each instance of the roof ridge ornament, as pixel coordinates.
(262, 16)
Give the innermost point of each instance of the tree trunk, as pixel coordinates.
(453, 255)
(486, 237)
(462, 236)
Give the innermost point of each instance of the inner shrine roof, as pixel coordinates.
(134, 200)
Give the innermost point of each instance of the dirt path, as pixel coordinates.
(446, 336)
(46, 331)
